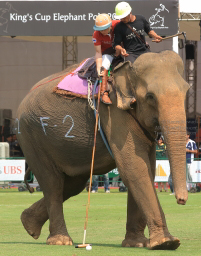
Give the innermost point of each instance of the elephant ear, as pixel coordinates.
(124, 84)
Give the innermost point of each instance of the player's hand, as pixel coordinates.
(100, 73)
(124, 53)
(157, 39)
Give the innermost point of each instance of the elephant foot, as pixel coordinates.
(59, 240)
(139, 241)
(31, 224)
(166, 243)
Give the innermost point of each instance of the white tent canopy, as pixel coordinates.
(190, 6)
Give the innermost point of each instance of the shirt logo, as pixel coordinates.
(94, 40)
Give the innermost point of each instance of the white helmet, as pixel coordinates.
(122, 10)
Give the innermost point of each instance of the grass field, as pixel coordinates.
(106, 226)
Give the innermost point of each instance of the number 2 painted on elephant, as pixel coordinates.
(67, 134)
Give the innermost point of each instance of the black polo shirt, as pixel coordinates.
(131, 42)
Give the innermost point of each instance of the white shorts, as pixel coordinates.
(106, 61)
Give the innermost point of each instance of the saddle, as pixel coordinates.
(88, 70)
(77, 81)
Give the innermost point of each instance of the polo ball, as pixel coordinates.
(89, 247)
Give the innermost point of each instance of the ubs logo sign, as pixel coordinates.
(157, 20)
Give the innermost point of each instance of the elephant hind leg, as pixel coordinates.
(34, 218)
(59, 240)
(132, 240)
(72, 186)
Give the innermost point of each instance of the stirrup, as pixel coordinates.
(106, 91)
(107, 95)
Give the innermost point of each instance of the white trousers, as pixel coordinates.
(106, 61)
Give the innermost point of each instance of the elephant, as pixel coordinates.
(56, 135)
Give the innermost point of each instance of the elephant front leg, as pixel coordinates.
(135, 225)
(167, 241)
(140, 184)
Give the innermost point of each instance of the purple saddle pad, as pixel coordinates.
(73, 83)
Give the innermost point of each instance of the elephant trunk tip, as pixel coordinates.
(182, 198)
(181, 201)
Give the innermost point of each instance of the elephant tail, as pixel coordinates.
(31, 189)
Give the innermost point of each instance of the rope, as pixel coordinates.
(99, 126)
(89, 90)
(46, 82)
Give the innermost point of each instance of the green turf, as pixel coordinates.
(106, 225)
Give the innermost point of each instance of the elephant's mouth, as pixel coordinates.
(156, 125)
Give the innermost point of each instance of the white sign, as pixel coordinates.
(162, 171)
(12, 170)
(195, 171)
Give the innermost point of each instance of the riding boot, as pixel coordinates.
(104, 92)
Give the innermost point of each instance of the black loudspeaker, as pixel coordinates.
(190, 52)
(5, 114)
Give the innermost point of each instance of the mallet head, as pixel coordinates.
(184, 35)
(82, 245)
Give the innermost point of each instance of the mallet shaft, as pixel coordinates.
(167, 37)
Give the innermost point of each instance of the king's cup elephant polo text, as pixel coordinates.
(56, 136)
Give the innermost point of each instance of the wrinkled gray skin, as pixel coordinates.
(56, 135)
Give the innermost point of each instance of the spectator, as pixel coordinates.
(15, 150)
(171, 184)
(161, 154)
(191, 149)
(95, 183)
(116, 177)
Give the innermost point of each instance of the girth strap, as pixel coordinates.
(146, 133)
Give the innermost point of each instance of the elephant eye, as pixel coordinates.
(150, 96)
(151, 99)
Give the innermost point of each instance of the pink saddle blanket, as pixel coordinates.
(73, 83)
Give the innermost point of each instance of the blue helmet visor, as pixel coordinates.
(102, 27)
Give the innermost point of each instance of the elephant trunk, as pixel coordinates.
(173, 126)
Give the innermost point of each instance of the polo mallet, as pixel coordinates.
(179, 34)
(83, 245)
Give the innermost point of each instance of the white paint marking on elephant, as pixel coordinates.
(18, 125)
(44, 124)
(67, 134)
